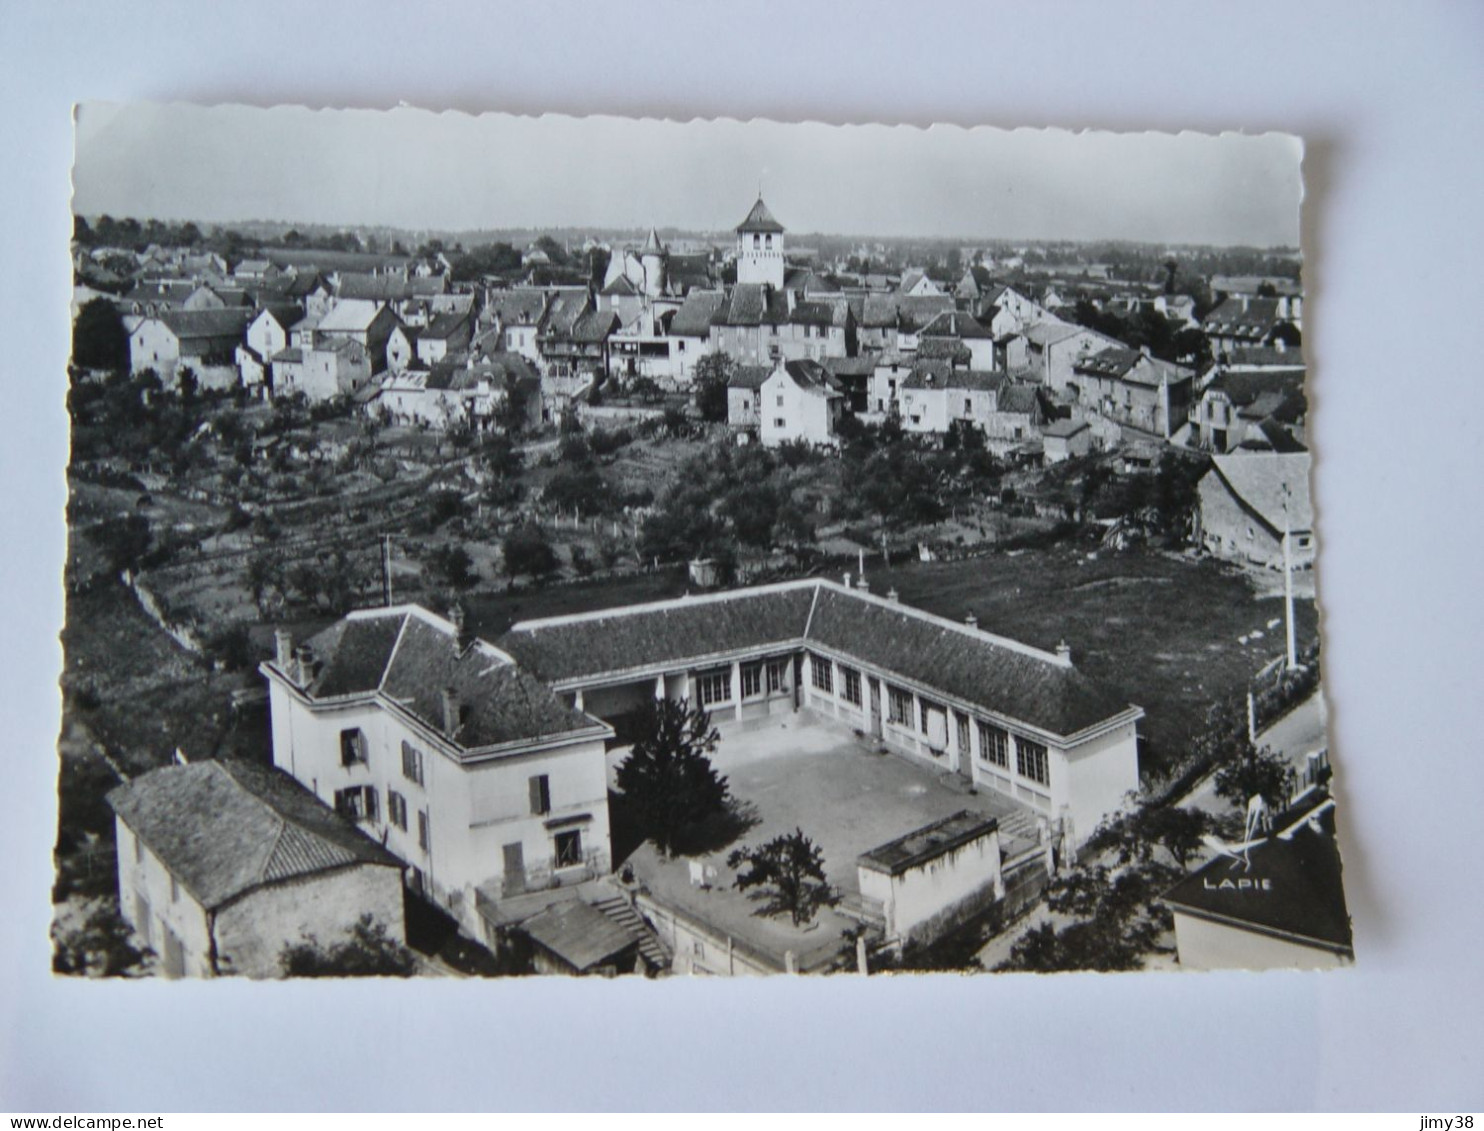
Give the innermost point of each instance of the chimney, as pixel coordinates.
(863, 585)
(972, 621)
(303, 664)
(450, 712)
(461, 636)
(891, 594)
(847, 579)
(1064, 653)
(283, 649)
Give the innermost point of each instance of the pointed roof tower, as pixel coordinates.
(760, 220)
(653, 246)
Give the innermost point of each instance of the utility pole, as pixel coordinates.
(1288, 582)
(386, 569)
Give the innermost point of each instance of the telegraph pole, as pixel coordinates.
(1288, 581)
(386, 569)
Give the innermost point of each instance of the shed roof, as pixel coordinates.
(580, 935)
(928, 843)
(1266, 482)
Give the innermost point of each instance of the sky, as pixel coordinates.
(417, 169)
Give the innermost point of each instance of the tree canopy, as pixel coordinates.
(369, 952)
(791, 869)
(99, 340)
(667, 777)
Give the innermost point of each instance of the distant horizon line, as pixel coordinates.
(216, 226)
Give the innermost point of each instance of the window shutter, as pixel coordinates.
(540, 794)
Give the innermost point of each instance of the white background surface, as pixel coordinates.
(1389, 100)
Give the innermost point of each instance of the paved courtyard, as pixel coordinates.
(801, 772)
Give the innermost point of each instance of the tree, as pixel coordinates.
(99, 340)
(667, 777)
(102, 947)
(187, 383)
(791, 866)
(124, 541)
(454, 565)
(712, 373)
(528, 551)
(1259, 773)
(369, 952)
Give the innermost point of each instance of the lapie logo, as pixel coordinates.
(1244, 884)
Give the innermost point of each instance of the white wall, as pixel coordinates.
(934, 886)
(173, 909)
(1204, 945)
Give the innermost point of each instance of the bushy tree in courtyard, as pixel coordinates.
(791, 869)
(668, 777)
(1178, 831)
(369, 952)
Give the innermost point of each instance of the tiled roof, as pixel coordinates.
(760, 220)
(752, 304)
(1063, 429)
(956, 324)
(286, 314)
(1259, 480)
(520, 306)
(976, 380)
(944, 349)
(749, 376)
(410, 656)
(693, 319)
(186, 324)
(812, 377)
(350, 316)
(1049, 333)
(639, 637)
(580, 935)
(928, 373)
(1017, 398)
(223, 829)
(1246, 387)
(389, 288)
(1005, 678)
(621, 285)
(905, 312)
(850, 366)
(445, 326)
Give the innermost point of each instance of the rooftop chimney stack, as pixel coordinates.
(283, 649)
(972, 621)
(461, 637)
(891, 594)
(450, 712)
(303, 665)
(847, 579)
(863, 585)
(1064, 652)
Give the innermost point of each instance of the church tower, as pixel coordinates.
(654, 263)
(760, 248)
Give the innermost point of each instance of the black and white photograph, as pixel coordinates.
(650, 548)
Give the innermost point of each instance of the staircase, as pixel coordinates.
(617, 908)
(1020, 825)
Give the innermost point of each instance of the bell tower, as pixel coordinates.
(760, 248)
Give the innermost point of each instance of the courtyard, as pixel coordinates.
(797, 771)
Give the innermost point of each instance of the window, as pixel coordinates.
(822, 673)
(752, 681)
(779, 422)
(714, 687)
(540, 791)
(424, 838)
(396, 806)
(777, 671)
(898, 706)
(968, 407)
(358, 803)
(994, 745)
(412, 763)
(963, 733)
(850, 680)
(352, 747)
(780, 400)
(1030, 761)
(568, 848)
